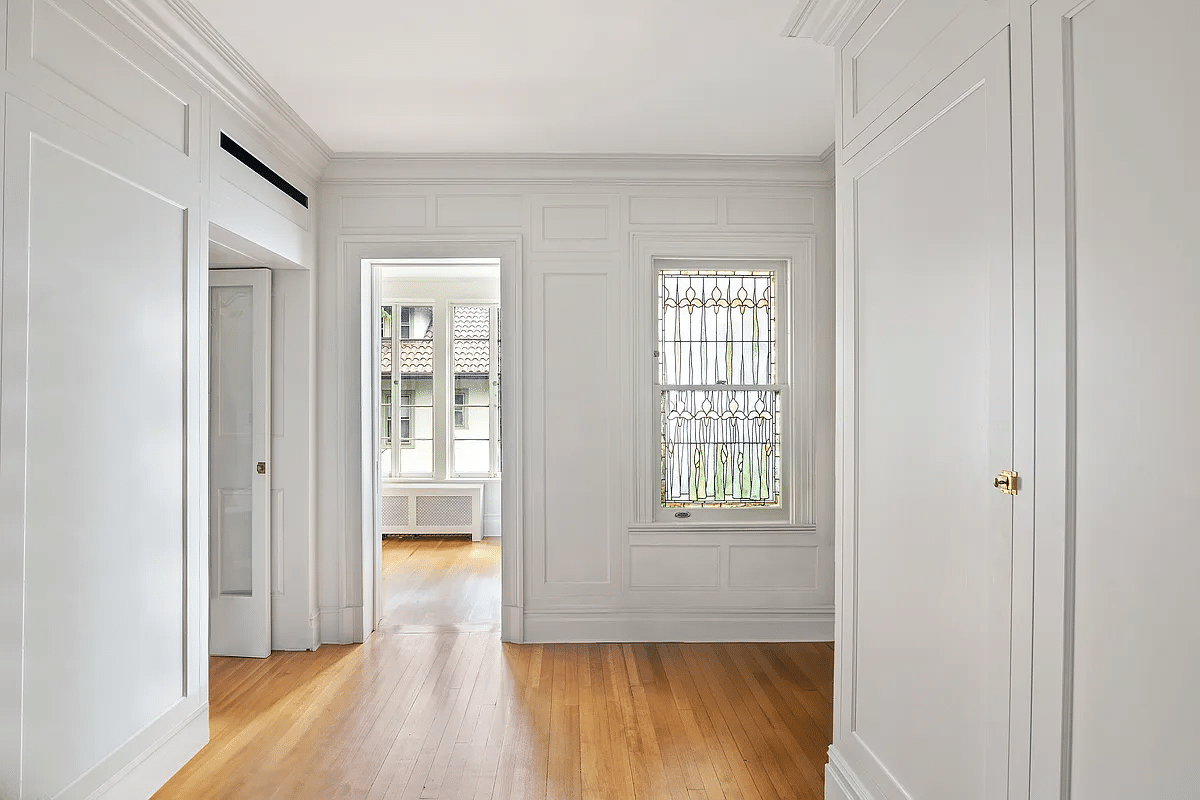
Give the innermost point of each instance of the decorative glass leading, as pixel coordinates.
(720, 445)
(717, 327)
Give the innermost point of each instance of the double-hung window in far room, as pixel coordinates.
(439, 407)
(720, 385)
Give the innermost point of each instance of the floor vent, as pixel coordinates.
(432, 508)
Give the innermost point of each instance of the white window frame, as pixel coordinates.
(399, 442)
(793, 259)
(401, 324)
(493, 389)
(460, 409)
(401, 414)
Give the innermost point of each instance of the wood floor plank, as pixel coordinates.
(435, 707)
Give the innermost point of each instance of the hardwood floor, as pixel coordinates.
(428, 710)
(432, 585)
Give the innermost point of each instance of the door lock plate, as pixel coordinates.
(262, 468)
(1008, 482)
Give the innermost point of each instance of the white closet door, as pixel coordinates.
(924, 606)
(239, 462)
(1116, 118)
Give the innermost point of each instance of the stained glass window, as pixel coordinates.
(718, 342)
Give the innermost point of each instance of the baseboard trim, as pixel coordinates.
(678, 625)
(329, 626)
(840, 781)
(143, 778)
(512, 628)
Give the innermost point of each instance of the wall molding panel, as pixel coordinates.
(71, 50)
(175, 27)
(589, 572)
(112, 194)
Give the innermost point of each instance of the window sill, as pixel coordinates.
(731, 526)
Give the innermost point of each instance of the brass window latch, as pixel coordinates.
(1007, 482)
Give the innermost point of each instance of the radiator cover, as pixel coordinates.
(432, 508)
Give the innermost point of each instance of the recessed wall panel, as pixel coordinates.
(104, 624)
(674, 567)
(383, 212)
(480, 211)
(771, 211)
(773, 566)
(673, 210)
(77, 55)
(577, 337)
(908, 30)
(575, 222)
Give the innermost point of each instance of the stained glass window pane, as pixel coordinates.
(720, 448)
(717, 327)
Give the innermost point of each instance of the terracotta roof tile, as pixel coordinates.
(471, 346)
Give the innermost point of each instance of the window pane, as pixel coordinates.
(717, 326)
(416, 458)
(471, 449)
(472, 456)
(720, 448)
(414, 322)
(414, 422)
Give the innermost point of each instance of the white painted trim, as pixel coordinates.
(330, 626)
(799, 307)
(840, 781)
(532, 168)
(144, 777)
(183, 32)
(512, 623)
(353, 252)
(314, 626)
(685, 625)
(823, 21)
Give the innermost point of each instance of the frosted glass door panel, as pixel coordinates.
(232, 404)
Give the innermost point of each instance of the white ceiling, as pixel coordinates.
(541, 76)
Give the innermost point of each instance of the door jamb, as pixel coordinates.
(357, 254)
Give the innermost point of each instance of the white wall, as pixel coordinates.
(110, 126)
(579, 222)
(1048, 650)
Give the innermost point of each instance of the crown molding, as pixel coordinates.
(823, 21)
(540, 168)
(181, 30)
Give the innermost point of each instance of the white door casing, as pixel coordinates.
(1116, 645)
(926, 373)
(239, 441)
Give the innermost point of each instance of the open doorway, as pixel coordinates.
(438, 387)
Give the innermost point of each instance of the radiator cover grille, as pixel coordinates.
(446, 510)
(395, 511)
(432, 508)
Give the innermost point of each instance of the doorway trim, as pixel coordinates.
(357, 256)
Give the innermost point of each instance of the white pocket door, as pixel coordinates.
(239, 462)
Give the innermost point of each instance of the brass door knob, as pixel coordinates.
(1007, 482)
